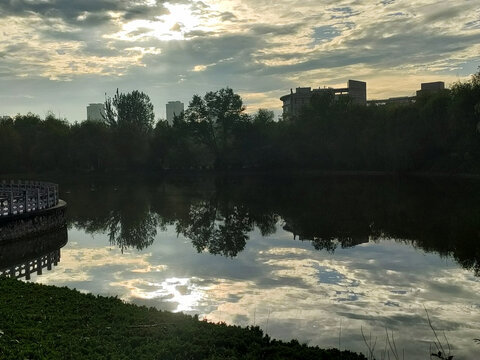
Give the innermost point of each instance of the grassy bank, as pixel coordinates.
(47, 322)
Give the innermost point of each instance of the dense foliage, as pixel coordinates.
(45, 322)
(439, 132)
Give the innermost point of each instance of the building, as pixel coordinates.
(430, 88)
(393, 100)
(173, 108)
(293, 102)
(357, 91)
(425, 89)
(95, 112)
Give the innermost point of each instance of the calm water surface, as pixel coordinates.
(318, 259)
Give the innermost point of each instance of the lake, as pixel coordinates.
(320, 259)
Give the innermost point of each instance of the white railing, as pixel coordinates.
(21, 197)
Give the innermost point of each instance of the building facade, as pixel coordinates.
(173, 108)
(425, 90)
(430, 88)
(95, 112)
(295, 101)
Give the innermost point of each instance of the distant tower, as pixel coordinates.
(95, 112)
(174, 108)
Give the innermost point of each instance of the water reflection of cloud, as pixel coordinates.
(88, 265)
(292, 290)
(360, 296)
(182, 292)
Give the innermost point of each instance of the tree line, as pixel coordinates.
(438, 132)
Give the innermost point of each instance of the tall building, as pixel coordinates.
(293, 102)
(357, 90)
(174, 108)
(95, 112)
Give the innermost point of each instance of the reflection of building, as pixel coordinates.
(174, 108)
(95, 112)
(293, 102)
(328, 240)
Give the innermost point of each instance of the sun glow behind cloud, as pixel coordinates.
(176, 48)
(172, 26)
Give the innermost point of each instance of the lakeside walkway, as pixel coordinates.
(29, 208)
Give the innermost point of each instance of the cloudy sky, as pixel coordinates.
(60, 55)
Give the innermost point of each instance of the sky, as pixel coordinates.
(61, 55)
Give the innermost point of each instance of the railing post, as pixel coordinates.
(27, 196)
(10, 203)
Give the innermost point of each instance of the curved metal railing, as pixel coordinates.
(22, 197)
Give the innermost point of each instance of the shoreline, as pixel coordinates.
(189, 173)
(42, 321)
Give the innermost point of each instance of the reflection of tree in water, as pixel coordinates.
(266, 223)
(122, 213)
(218, 232)
(331, 213)
(132, 231)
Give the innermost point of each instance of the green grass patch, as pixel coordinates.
(47, 322)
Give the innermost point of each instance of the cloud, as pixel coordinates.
(82, 13)
(274, 30)
(248, 45)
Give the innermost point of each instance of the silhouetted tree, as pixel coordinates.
(131, 117)
(440, 132)
(214, 118)
(10, 146)
(263, 117)
(133, 110)
(91, 146)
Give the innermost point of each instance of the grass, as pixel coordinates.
(46, 322)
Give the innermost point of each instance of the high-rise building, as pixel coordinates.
(95, 112)
(357, 90)
(174, 108)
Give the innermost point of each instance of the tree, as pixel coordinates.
(263, 117)
(51, 151)
(131, 117)
(161, 143)
(214, 118)
(10, 146)
(133, 110)
(90, 145)
(28, 129)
